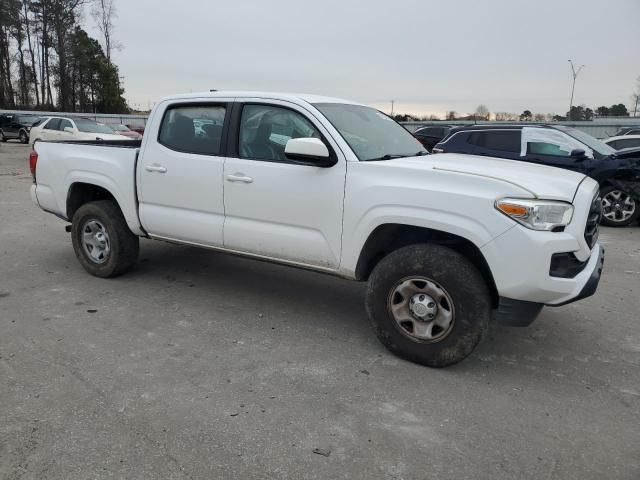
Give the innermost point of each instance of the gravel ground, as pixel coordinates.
(199, 365)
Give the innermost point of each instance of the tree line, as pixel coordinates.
(49, 62)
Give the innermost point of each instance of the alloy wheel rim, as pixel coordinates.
(422, 309)
(95, 241)
(618, 206)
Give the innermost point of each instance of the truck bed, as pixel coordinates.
(64, 166)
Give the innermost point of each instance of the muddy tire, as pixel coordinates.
(102, 241)
(428, 304)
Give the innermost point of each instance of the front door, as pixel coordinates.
(274, 207)
(180, 173)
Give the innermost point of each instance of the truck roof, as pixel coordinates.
(294, 97)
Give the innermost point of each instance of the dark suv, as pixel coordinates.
(618, 173)
(431, 135)
(13, 125)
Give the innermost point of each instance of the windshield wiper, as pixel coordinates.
(421, 153)
(386, 157)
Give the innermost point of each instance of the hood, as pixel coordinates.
(540, 181)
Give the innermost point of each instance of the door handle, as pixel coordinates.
(155, 168)
(239, 177)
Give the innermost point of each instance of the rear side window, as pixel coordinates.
(500, 140)
(193, 128)
(635, 131)
(53, 124)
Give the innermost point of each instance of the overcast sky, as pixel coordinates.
(429, 56)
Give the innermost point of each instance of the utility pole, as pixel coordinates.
(575, 74)
(635, 110)
(392, 102)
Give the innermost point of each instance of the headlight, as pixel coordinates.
(537, 214)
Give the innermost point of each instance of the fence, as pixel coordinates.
(134, 120)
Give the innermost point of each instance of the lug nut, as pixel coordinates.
(431, 305)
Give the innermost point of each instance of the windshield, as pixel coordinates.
(119, 128)
(591, 142)
(90, 126)
(371, 134)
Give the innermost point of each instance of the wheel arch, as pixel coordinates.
(389, 237)
(80, 193)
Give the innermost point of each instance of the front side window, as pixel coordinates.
(64, 124)
(545, 148)
(266, 129)
(193, 128)
(371, 134)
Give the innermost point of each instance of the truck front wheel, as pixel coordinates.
(428, 304)
(102, 241)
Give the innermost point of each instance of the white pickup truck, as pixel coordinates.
(445, 242)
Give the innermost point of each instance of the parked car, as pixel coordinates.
(635, 130)
(618, 173)
(431, 135)
(444, 241)
(73, 128)
(18, 126)
(136, 128)
(126, 131)
(623, 141)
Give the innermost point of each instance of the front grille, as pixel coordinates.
(593, 221)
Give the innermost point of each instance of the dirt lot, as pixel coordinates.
(199, 365)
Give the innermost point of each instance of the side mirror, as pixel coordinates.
(578, 154)
(68, 129)
(309, 151)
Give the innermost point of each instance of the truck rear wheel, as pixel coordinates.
(428, 304)
(102, 240)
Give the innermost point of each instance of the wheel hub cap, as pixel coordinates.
(95, 241)
(423, 306)
(422, 309)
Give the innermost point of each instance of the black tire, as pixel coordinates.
(617, 223)
(124, 245)
(454, 274)
(24, 138)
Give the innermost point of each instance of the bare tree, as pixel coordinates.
(482, 112)
(104, 12)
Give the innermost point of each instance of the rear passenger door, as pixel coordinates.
(179, 173)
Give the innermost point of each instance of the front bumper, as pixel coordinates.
(520, 313)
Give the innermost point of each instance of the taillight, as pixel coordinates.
(33, 161)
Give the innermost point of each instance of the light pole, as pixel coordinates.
(575, 74)
(392, 102)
